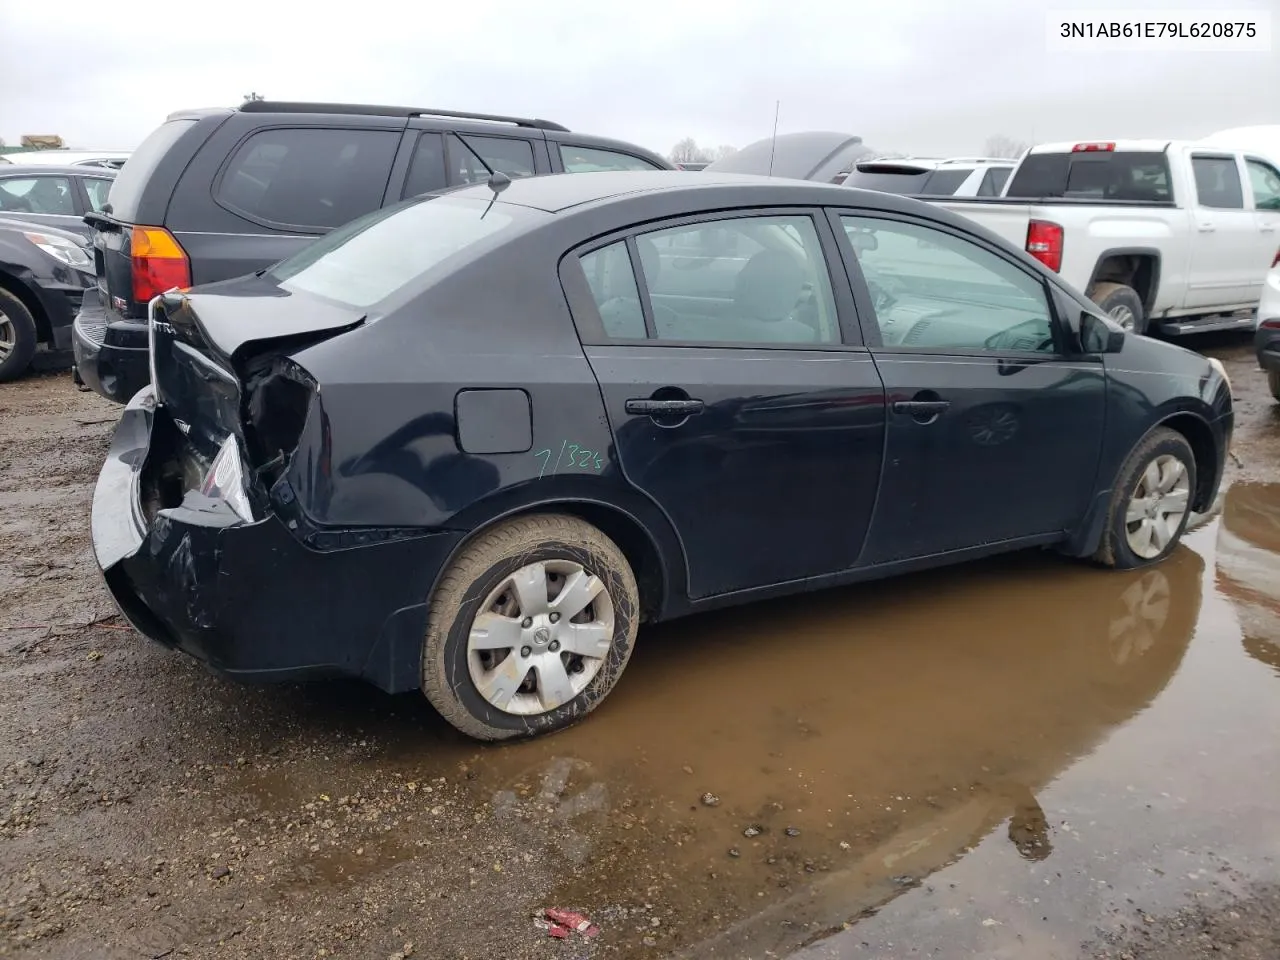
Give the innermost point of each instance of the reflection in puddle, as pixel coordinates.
(1249, 565)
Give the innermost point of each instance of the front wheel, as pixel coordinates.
(1150, 503)
(529, 628)
(18, 337)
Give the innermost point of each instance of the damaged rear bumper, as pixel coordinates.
(250, 599)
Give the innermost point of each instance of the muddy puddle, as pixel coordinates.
(764, 778)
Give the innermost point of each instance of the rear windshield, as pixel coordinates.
(370, 258)
(1101, 175)
(126, 191)
(909, 180)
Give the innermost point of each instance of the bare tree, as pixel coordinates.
(999, 145)
(722, 151)
(688, 151)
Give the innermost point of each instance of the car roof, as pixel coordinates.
(554, 193)
(45, 169)
(63, 157)
(803, 155)
(1121, 146)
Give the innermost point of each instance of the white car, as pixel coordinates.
(1168, 236)
(1266, 326)
(113, 159)
(915, 176)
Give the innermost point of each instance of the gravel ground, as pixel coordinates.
(149, 809)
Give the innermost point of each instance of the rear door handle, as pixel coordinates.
(918, 408)
(648, 408)
(1268, 228)
(1207, 228)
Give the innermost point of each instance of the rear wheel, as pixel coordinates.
(1151, 502)
(18, 337)
(529, 628)
(1273, 381)
(1122, 304)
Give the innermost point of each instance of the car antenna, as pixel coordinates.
(773, 144)
(497, 182)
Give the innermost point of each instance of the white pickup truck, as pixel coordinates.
(1176, 237)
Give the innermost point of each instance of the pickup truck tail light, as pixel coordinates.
(1044, 242)
(1093, 148)
(159, 263)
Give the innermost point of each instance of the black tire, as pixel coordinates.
(477, 571)
(1115, 551)
(1273, 381)
(15, 316)
(1116, 297)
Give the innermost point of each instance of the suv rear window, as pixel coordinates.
(371, 258)
(308, 176)
(126, 189)
(1101, 175)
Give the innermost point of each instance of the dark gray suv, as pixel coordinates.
(220, 193)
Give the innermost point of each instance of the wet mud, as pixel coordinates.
(1027, 757)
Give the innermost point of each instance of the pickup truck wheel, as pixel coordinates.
(18, 337)
(1273, 381)
(1122, 304)
(529, 628)
(1150, 502)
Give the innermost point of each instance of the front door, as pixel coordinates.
(735, 403)
(1225, 237)
(994, 434)
(1264, 182)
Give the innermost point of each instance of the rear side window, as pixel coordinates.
(944, 183)
(1218, 183)
(588, 159)
(97, 190)
(1099, 175)
(473, 159)
(613, 286)
(307, 177)
(372, 257)
(126, 189)
(993, 182)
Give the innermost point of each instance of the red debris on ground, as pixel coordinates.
(572, 921)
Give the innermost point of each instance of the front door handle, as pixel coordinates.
(669, 408)
(921, 408)
(1207, 228)
(1268, 228)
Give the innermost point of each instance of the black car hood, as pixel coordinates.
(32, 226)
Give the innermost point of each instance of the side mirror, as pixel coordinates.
(1099, 334)
(864, 240)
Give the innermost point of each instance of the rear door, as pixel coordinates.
(747, 410)
(1224, 247)
(994, 431)
(1264, 185)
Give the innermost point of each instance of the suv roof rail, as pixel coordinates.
(374, 110)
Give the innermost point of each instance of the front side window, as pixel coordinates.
(935, 290)
(1265, 183)
(749, 280)
(50, 195)
(993, 182)
(474, 159)
(308, 177)
(1218, 183)
(588, 159)
(97, 189)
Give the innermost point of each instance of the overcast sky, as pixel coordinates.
(924, 76)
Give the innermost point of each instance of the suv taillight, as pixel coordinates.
(159, 263)
(1044, 242)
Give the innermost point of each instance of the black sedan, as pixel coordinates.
(44, 273)
(469, 443)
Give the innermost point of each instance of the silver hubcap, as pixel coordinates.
(8, 337)
(1123, 316)
(1158, 504)
(540, 637)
